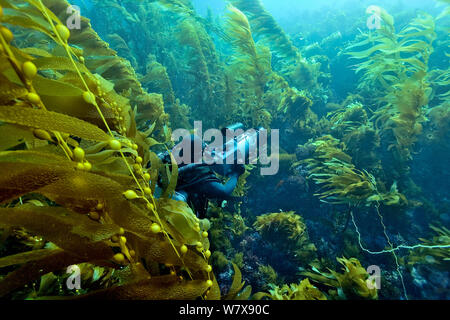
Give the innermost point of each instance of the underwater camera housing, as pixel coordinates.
(241, 148)
(238, 149)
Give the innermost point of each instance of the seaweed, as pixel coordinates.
(393, 57)
(90, 168)
(251, 65)
(352, 283)
(341, 182)
(302, 291)
(436, 257)
(287, 58)
(288, 227)
(398, 62)
(266, 27)
(287, 231)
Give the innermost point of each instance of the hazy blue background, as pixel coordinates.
(289, 12)
(290, 7)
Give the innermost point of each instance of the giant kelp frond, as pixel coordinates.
(391, 57)
(403, 114)
(250, 65)
(239, 27)
(399, 63)
(437, 257)
(347, 119)
(302, 291)
(295, 104)
(287, 58)
(157, 79)
(352, 283)
(74, 168)
(181, 7)
(256, 65)
(202, 66)
(237, 290)
(86, 48)
(265, 26)
(340, 181)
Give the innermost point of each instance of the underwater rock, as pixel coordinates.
(291, 185)
(304, 151)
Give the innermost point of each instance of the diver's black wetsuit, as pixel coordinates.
(199, 183)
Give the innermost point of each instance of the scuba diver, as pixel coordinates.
(198, 183)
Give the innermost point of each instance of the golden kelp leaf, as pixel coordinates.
(58, 63)
(52, 121)
(7, 4)
(43, 7)
(181, 220)
(27, 256)
(260, 295)
(214, 292)
(12, 136)
(50, 87)
(80, 189)
(34, 157)
(107, 154)
(9, 91)
(70, 231)
(25, 20)
(236, 285)
(133, 272)
(28, 171)
(123, 179)
(173, 177)
(66, 96)
(113, 164)
(154, 249)
(35, 269)
(36, 52)
(244, 294)
(157, 288)
(18, 179)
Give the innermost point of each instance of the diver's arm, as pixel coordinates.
(216, 190)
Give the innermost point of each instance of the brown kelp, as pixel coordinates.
(438, 257)
(287, 231)
(340, 181)
(302, 291)
(289, 62)
(353, 283)
(84, 165)
(85, 114)
(251, 65)
(398, 63)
